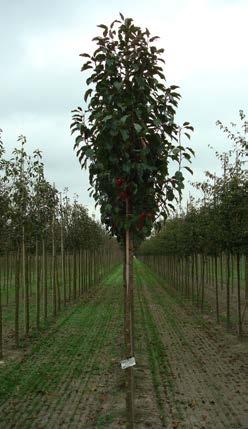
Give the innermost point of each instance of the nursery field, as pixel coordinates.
(190, 374)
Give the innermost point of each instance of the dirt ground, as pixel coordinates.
(189, 373)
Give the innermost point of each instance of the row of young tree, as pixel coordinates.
(51, 250)
(204, 250)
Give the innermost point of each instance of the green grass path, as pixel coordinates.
(45, 388)
(189, 374)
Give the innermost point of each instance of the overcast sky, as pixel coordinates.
(205, 44)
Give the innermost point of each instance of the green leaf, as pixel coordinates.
(170, 195)
(87, 93)
(178, 175)
(187, 135)
(85, 55)
(117, 85)
(191, 150)
(137, 127)
(123, 119)
(78, 140)
(107, 118)
(126, 168)
(105, 28)
(108, 207)
(102, 26)
(189, 169)
(86, 67)
(89, 153)
(124, 134)
(154, 38)
(122, 17)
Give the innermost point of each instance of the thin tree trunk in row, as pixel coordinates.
(74, 275)
(58, 284)
(202, 281)
(37, 270)
(216, 289)
(239, 298)
(232, 271)
(44, 278)
(8, 266)
(17, 297)
(221, 271)
(197, 279)
(53, 271)
(25, 285)
(129, 341)
(228, 290)
(246, 288)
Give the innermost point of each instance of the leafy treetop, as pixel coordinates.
(128, 133)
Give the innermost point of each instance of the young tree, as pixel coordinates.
(128, 135)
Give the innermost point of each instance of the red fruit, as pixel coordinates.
(142, 215)
(119, 182)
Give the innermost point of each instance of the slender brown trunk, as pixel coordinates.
(193, 278)
(232, 272)
(8, 267)
(74, 275)
(17, 297)
(221, 271)
(25, 285)
(228, 291)
(54, 271)
(239, 298)
(197, 279)
(246, 287)
(44, 278)
(58, 284)
(63, 283)
(202, 281)
(216, 288)
(129, 341)
(37, 269)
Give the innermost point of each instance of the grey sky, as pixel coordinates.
(205, 45)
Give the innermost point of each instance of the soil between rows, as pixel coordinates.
(188, 375)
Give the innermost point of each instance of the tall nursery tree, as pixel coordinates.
(128, 135)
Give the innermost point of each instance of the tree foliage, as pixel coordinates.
(128, 133)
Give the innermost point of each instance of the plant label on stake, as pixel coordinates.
(127, 363)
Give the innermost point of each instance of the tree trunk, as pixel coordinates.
(25, 285)
(44, 278)
(239, 298)
(197, 279)
(129, 340)
(37, 269)
(63, 283)
(221, 271)
(232, 272)
(202, 281)
(228, 291)
(8, 269)
(54, 271)
(216, 288)
(17, 297)
(246, 287)
(74, 275)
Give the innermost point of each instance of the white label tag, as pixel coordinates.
(126, 363)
